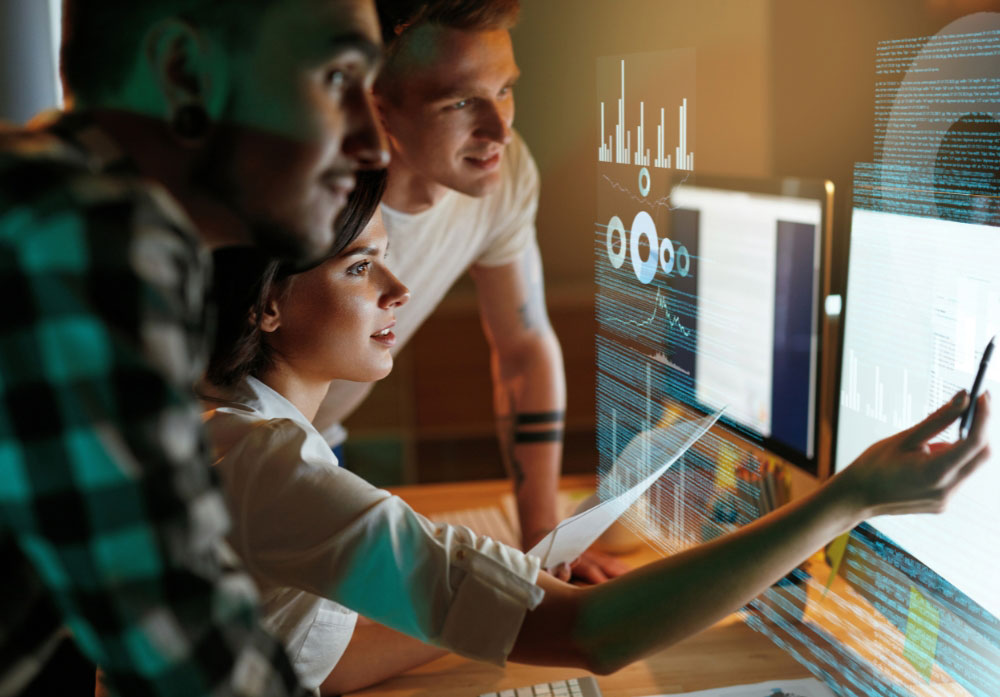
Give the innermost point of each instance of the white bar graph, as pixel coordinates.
(642, 153)
(618, 146)
(661, 161)
(851, 398)
(903, 417)
(684, 159)
(900, 391)
(876, 409)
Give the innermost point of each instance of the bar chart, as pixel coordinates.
(685, 159)
(876, 409)
(850, 397)
(875, 402)
(616, 146)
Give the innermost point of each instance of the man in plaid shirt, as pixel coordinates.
(196, 124)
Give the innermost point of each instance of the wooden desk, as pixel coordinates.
(728, 653)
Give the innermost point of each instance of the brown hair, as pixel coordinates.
(399, 18)
(245, 280)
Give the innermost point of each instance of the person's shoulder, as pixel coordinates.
(100, 250)
(243, 435)
(62, 217)
(34, 167)
(47, 185)
(250, 419)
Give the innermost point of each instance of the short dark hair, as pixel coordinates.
(101, 38)
(400, 17)
(245, 280)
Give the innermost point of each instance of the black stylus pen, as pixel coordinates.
(977, 386)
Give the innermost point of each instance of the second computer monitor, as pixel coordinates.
(762, 249)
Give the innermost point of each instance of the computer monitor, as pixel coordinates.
(922, 301)
(763, 251)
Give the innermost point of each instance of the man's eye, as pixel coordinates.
(360, 269)
(335, 79)
(461, 104)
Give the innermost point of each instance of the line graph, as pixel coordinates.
(673, 321)
(662, 202)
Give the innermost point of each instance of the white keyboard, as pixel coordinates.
(574, 687)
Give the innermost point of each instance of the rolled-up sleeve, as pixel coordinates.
(303, 522)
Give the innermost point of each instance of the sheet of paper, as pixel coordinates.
(807, 687)
(665, 445)
(567, 504)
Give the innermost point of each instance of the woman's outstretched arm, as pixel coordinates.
(376, 653)
(606, 627)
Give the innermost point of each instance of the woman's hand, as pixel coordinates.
(906, 473)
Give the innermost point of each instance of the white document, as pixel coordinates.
(807, 687)
(572, 536)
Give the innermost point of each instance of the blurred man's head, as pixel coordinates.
(267, 101)
(445, 91)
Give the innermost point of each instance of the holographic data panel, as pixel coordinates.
(647, 271)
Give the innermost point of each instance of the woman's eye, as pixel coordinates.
(360, 268)
(461, 104)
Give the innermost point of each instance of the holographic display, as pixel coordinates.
(707, 297)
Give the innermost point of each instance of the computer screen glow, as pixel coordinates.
(923, 300)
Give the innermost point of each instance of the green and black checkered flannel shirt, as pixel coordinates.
(110, 516)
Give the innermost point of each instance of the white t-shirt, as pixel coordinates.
(318, 540)
(429, 250)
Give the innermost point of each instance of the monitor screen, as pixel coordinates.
(757, 309)
(923, 300)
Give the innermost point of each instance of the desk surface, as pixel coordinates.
(728, 653)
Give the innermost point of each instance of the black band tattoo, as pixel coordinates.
(540, 417)
(550, 436)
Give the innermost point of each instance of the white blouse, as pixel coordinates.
(317, 539)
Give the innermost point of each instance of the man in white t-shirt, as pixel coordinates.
(462, 196)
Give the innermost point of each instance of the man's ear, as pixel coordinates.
(189, 66)
(383, 105)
